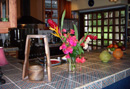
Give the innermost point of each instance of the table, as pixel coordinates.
(91, 74)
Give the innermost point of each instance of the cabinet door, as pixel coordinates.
(51, 11)
(8, 15)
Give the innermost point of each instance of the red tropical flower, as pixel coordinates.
(51, 23)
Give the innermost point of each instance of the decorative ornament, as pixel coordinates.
(118, 53)
(105, 56)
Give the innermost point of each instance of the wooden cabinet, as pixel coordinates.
(65, 5)
(51, 11)
(8, 15)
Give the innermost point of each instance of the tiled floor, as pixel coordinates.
(91, 74)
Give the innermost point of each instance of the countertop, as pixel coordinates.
(93, 74)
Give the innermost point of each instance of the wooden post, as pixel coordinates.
(27, 51)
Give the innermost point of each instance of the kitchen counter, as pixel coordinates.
(91, 74)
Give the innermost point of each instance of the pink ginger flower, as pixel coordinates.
(82, 60)
(68, 50)
(64, 30)
(63, 46)
(72, 31)
(67, 56)
(65, 35)
(72, 40)
(78, 60)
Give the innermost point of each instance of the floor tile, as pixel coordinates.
(120, 76)
(54, 78)
(6, 79)
(110, 70)
(86, 63)
(67, 74)
(96, 85)
(12, 71)
(27, 85)
(18, 65)
(126, 63)
(96, 66)
(121, 66)
(9, 86)
(93, 61)
(108, 81)
(128, 72)
(44, 87)
(84, 69)
(15, 77)
(83, 79)
(7, 67)
(57, 69)
(65, 84)
(109, 63)
(98, 74)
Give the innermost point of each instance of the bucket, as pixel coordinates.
(36, 73)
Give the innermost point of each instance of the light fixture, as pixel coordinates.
(113, 0)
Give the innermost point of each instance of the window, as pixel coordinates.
(108, 25)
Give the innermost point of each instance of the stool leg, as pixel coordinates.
(2, 81)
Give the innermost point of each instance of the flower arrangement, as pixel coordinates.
(71, 46)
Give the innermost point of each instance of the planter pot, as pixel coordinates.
(118, 53)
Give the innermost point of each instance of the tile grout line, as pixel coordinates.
(41, 86)
(16, 67)
(51, 86)
(71, 77)
(12, 82)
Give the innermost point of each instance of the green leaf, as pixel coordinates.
(76, 31)
(74, 54)
(62, 20)
(80, 50)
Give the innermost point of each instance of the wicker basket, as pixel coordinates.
(36, 73)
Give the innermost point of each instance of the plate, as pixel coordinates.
(55, 62)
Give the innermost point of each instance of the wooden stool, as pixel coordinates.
(27, 51)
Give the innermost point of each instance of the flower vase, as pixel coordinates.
(118, 53)
(71, 66)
